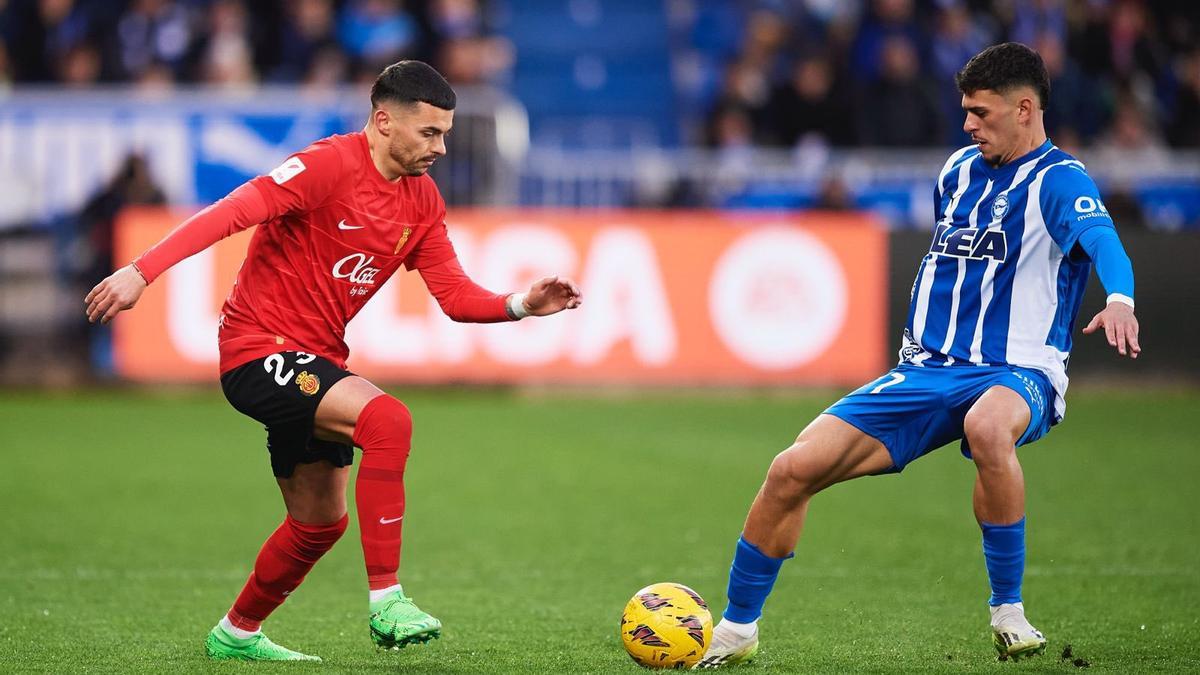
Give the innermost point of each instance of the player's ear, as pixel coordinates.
(1025, 109)
(381, 120)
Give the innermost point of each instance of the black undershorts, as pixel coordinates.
(282, 392)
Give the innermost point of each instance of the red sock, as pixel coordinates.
(384, 432)
(282, 564)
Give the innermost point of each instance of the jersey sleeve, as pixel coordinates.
(435, 247)
(240, 209)
(1070, 205)
(304, 180)
(460, 298)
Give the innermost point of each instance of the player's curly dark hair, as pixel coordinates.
(1004, 67)
(410, 82)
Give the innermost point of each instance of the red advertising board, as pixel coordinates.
(670, 297)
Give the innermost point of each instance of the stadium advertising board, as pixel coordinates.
(669, 298)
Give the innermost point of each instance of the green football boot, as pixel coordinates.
(221, 645)
(396, 622)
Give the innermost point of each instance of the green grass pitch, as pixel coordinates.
(131, 519)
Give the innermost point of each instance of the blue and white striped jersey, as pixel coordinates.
(1000, 284)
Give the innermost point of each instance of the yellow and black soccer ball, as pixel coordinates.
(666, 625)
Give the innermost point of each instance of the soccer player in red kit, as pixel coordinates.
(335, 221)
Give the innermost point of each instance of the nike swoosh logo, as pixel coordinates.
(389, 521)
(343, 226)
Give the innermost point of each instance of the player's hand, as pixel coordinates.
(551, 295)
(1120, 326)
(118, 292)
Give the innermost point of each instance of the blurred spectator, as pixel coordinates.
(154, 32)
(1132, 139)
(308, 44)
(888, 19)
(1032, 19)
(42, 33)
(79, 66)
(808, 105)
(6, 76)
(327, 68)
(744, 90)
(475, 60)
(86, 254)
(132, 184)
(226, 57)
(899, 109)
(958, 38)
(1076, 106)
(834, 194)
(377, 31)
(1185, 114)
(456, 19)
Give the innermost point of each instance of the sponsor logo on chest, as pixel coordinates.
(970, 243)
(357, 269)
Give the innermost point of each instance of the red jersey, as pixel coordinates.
(333, 230)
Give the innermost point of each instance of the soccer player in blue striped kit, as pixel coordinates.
(1019, 226)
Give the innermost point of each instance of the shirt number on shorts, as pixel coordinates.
(897, 378)
(276, 363)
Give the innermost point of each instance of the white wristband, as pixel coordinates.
(1118, 297)
(516, 306)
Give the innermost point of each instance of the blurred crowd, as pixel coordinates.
(158, 43)
(1125, 74)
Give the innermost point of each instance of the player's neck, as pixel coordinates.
(383, 162)
(1032, 142)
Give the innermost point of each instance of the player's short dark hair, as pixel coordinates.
(410, 82)
(1005, 67)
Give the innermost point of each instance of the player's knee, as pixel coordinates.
(991, 439)
(384, 418)
(314, 539)
(790, 475)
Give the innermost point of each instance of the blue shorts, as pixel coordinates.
(913, 410)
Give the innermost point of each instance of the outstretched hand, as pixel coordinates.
(119, 291)
(1120, 326)
(551, 295)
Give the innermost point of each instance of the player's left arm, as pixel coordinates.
(463, 300)
(1081, 225)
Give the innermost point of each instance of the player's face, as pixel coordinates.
(993, 121)
(417, 135)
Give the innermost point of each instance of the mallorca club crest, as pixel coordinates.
(1000, 206)
(403, 240)
(309, 383)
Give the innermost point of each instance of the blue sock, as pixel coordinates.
(751, 577)
(1004, 553)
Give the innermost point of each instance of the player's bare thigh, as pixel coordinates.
(995, 423)
(339, 410)
(316, 492)
(831, 450)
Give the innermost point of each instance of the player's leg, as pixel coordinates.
(356, 411)
(992, 427)
(828, 451)
(315, 497)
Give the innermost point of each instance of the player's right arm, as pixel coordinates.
(299, 184)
